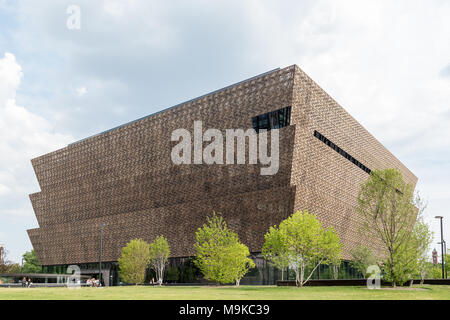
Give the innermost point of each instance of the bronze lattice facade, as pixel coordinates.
(125, 179)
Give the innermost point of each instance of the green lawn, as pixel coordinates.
(426, 292)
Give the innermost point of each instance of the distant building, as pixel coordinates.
(125, 179)
(435, 256)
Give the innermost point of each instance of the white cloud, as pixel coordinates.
(10, 74)
(4, 189)
(118, 8)
(23, 135)
(445, 72)
(81, 91)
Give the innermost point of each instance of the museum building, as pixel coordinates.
(103, 191)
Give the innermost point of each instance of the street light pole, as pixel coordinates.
(445, 252)
(442, 247)
(100, 254)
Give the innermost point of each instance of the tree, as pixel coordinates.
(435, 272)
(308, 244)
(159, 255)
(412, 255)
(386, 204)
(362, 258)
(220, 256)
(406, 262)
(10, 268)
(335, 262)
(275, 250)
(447, 263)
(423, 238)
(6, 266)
(133, 261)
(336, 271)
(236, 261)
(31, 263)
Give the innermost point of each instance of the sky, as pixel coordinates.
(386, 62)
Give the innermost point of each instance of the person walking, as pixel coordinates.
(24, 282)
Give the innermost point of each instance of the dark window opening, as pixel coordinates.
(272, 120)
(322, 138)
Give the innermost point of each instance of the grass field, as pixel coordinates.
(426, 292)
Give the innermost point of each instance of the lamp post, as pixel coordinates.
(442, 246)
(445, 252)
(100, 254)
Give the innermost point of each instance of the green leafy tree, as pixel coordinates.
(31, 263)
(435, 272)
(423, 238)
(159, 255)
(386, 204)
(419, 244)
(412, 255)
(220, 255)
(407, 263)
(309, 244)
(133, 261)
(236, 261)
(362, 258)
(275, 250)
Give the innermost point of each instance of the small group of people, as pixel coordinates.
(26, 283)
(93, 283)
